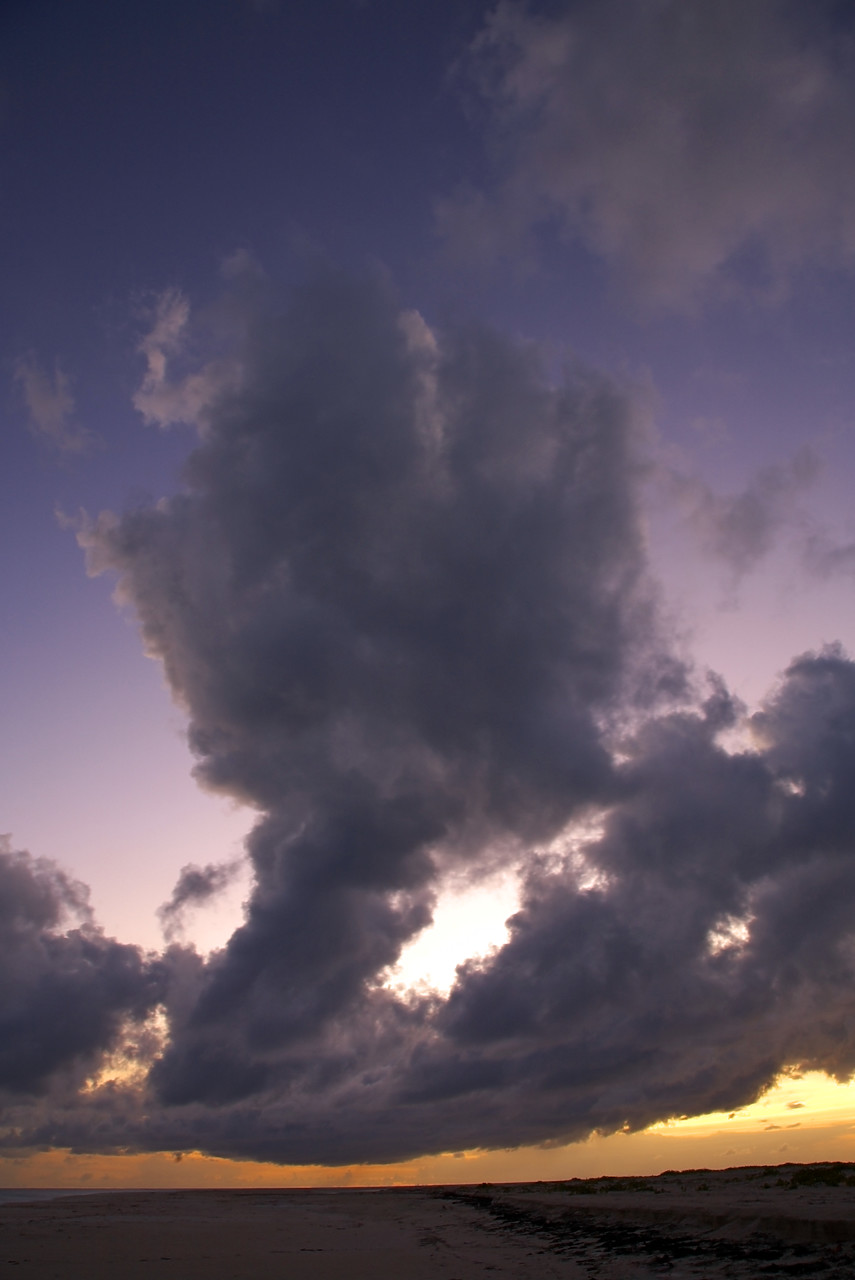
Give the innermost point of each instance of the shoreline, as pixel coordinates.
(741, 1222)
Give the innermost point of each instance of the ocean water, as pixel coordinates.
(9, 1195)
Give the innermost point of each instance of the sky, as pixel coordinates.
(426, 571)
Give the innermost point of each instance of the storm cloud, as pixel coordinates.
(399, 594)
(68, 993)
(402, 596)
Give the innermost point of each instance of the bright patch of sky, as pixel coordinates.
(468, 924)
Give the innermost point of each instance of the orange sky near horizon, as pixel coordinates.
(801, 1119)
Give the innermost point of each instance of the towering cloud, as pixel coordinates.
(399, 596)
(402, 596)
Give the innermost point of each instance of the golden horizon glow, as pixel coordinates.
(802, 1118)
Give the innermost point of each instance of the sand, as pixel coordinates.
(736, 1223)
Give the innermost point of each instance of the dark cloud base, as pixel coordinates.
(403, 598)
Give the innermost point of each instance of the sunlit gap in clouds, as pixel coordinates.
(127, 1064)
(569, 851)
(731, 933)
(470, 921)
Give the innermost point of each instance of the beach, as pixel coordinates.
(702, 1224)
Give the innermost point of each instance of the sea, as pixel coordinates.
(13, 1195)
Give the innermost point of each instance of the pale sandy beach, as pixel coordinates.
(739, 1222)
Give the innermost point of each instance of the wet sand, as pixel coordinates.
(787, 1221)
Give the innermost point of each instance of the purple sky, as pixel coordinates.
(442, 390)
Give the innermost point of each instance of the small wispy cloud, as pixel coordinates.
(740, 529)
(157, 399)
(168, 393)
(825, 558)
(195, 886)
(50, 405)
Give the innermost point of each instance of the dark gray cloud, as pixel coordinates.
(68, 992)
(402, 596)
(696, 146)
(399, 592)
(195, 886)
